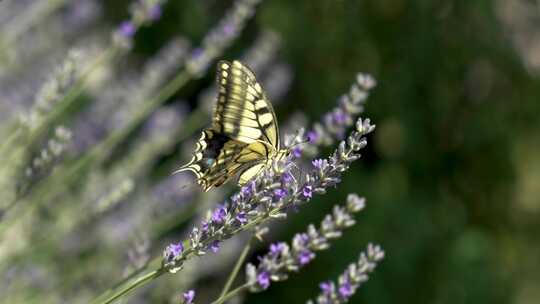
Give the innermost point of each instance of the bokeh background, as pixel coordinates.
(451, 175)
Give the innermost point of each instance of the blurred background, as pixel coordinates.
(451, 174)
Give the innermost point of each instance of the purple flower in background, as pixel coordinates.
(280, 193)
(154, 13)
(312, 136)
(305, 256)
(297, 152)
(307, 191)
(301, 238)
(228, 29)
(219, 215)
(327, 287)
(345, 290)
(127, 29)
(276, 249)
(214, 246)
(339, 116)
(197, 52)
(263, 279)
(189, 296)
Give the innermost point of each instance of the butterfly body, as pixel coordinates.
(243, 138)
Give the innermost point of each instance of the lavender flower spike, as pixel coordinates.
(334, 123)
(283, 258)
(221, 36)
(142, 12)
(257, 202)
(355, 275)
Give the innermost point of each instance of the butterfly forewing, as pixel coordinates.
(242, 111)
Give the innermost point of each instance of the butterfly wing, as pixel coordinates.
(244, 131)
(242, 111)
(217, 158)
(250, 173)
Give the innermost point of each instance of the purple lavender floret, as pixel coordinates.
(204, 226)
(318, 163)
(305, 256)
(263, 279)
(276, 249)
(197, 52)
(173, 251)
(248, 190)
(280, 193)
(307, 191)
(228, 29)
(345, 290)
(301, 239)
(241, 217)
(127, 29)
(214, 246)
(339, 116)
(327, 287)
(188, 296)
(313, 137)
(219, 215)
(155, 12)
(297, 152)
(287, 177)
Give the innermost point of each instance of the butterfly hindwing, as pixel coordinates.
(217, 158)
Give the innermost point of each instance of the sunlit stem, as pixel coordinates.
(128, 286)
(232, 294)
(236, 268)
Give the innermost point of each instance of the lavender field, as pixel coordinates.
(405, 168)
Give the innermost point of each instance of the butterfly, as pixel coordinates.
(243, 138)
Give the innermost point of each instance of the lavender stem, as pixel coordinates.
(231, 294)
(236, 268)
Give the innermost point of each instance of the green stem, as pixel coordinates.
(236, 268)
(8, 142)
(128, 286)
(231, 294)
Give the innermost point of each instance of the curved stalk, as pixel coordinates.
(128, 286)
(231, 294)
(236, 268)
